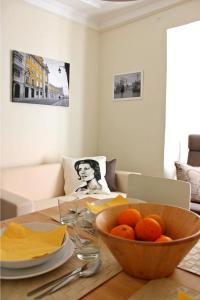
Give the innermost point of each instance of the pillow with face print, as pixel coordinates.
(85, 175)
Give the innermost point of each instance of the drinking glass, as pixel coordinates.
(68, 211)
(89, 248)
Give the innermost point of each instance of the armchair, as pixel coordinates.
(194, 160)
(194, 150)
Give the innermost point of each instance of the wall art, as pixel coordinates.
(39, 80)
(128, 86)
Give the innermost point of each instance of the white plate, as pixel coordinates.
(27, 263)
(59, 259)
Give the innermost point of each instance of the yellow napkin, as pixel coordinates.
(182, 296)
(20, 243)
(94, 208)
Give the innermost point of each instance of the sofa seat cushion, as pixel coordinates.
(47, 203)
(34, 182)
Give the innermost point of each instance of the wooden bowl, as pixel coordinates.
(150, 260)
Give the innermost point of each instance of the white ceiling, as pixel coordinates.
(101, 15)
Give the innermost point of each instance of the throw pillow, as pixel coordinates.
(110, 174)
(192, 175)
(85, 175)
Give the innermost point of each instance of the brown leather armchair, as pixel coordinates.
(194, 150)
(194, 160)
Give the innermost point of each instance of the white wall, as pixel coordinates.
(34, 133)
(133, 131)
(1, 60)
(183, 93)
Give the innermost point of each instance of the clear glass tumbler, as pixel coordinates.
(88, 247)
(68, 211)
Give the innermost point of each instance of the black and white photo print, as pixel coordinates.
(88, 171)
(128, 86)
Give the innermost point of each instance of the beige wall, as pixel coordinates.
(133, 131)
(1, 60)
(34, 133)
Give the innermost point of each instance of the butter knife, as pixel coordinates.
(55, 281)
(57, 287)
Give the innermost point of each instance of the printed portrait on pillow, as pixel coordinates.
(85, 175)
(89, 174)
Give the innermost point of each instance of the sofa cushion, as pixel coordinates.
(192, 175)
(85, 175)
(111, 174)
(34, 182)
(47, 203)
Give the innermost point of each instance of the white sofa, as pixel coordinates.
(32, 188)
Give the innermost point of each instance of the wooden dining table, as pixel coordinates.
(119, 287)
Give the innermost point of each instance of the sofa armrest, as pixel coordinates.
(13, 205)
(122, 180)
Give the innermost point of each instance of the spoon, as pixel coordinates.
(90, 269)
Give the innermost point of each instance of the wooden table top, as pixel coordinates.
(121, 286)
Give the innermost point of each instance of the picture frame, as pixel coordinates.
(128, 86)
(39, 80)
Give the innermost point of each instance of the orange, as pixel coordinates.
(124, 231)
(164, 238)
(159, 220)
(148, 229)
(129, 216)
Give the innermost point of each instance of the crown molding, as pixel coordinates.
(64, 10)
(105, 21)
(141, 12)
(94, 3)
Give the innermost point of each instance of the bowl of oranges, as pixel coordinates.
(148, 240)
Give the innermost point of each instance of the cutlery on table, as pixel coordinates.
(87, 270)
(55, 281)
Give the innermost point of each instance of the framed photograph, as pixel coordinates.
(39, 80)
(128, 86)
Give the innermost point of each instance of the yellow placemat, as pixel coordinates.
(15, 290)
(165, 289)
